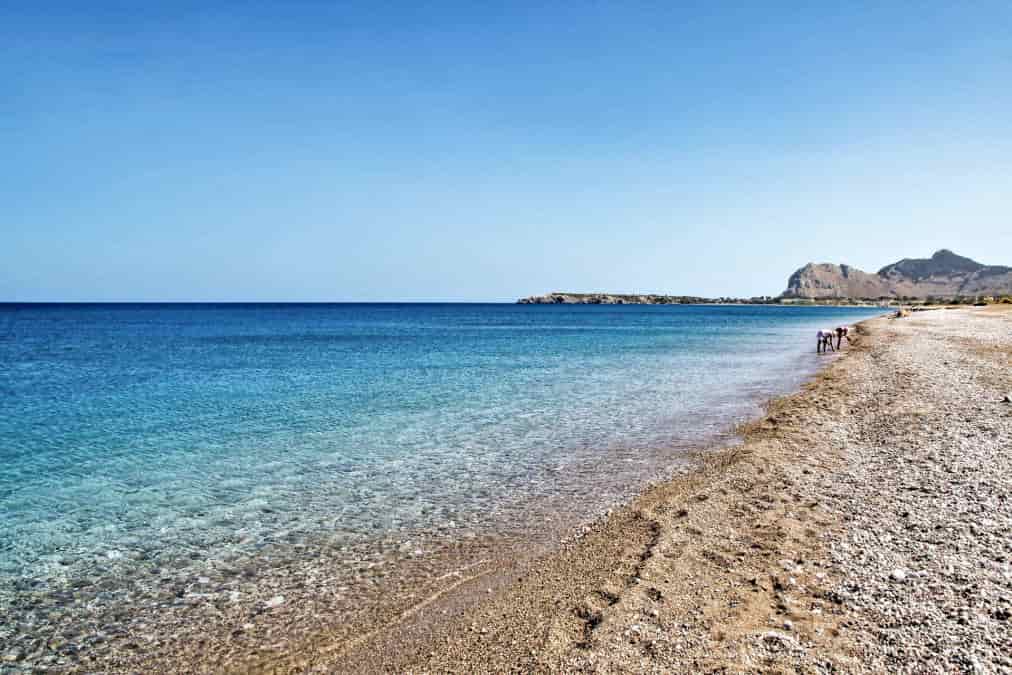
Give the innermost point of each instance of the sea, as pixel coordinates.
(137, 437)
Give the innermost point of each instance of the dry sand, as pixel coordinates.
(864, 525)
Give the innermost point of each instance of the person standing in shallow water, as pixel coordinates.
(824, 341)
(842, 332)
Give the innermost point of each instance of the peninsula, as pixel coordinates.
(562, 298)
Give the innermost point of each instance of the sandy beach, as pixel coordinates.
(862, 526)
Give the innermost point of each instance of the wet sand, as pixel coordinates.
(863, 525)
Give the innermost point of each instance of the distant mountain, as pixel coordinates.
(944, 274)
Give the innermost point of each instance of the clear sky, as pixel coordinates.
(465, 151)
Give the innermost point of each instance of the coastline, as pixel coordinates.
(180, 606)
(485, 618)
(688, 574)
(427, 635)
(770, 555)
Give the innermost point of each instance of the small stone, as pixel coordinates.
(11, 657)
(776, 641)
(276, 601)
(788, 624)
(898, 574)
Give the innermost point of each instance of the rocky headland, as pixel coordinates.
(943, 275)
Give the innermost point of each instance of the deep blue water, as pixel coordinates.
(131, 430)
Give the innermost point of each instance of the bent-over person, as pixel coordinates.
(824, 341)
(842, 332)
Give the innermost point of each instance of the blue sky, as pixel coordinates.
(456, 151)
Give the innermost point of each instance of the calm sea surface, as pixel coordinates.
(129, 433)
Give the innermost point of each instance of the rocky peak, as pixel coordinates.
(942, 263)
(944, 274)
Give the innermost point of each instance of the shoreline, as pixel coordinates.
(498, 603)
(190, 609)
(419, 627)
(746, 562)
(413, 635)
(249, 612)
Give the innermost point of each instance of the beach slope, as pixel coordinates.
(863, 525)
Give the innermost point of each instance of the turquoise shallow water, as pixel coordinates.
(129, 433)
